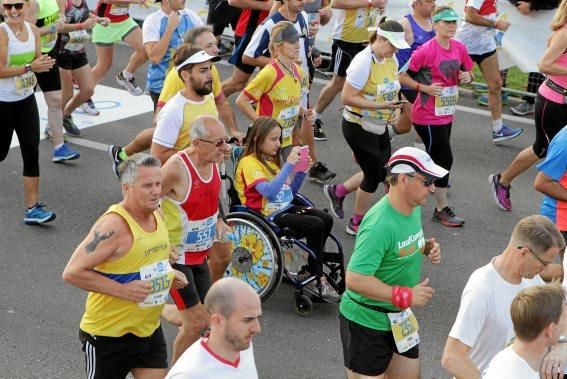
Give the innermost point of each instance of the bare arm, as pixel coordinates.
(243, 103)
(108, 239)
(472, 17)
(156, 49)
(226, 114)
(557, 45)
(456, 360)
(550, 187)
(170, 176)
(252, 4)
(408, 32)
(352, 97)
(325, 13)
(369, 286)
(5, 71)
(260, 61)
(162, 153)
(351, 4)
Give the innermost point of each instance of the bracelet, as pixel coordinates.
(493, 24)
(418, 87)
(80, 26)
(401, 297)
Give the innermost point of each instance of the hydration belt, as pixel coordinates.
(375, 308)
(556, 87)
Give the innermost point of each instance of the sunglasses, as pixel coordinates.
(218, 143)
(9, 7)
(545, 264)
(427, 182)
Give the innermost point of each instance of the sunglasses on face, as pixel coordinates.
(427, 182)
(218, 143)
(18, 6)
(545, 264)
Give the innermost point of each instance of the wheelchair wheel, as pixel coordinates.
(256, 255)
(303, 304)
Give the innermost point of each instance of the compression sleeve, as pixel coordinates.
(297, 181)
(271, 189)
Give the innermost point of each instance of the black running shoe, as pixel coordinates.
(320, 173)
(114, 154)
(318, 132)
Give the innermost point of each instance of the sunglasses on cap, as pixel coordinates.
(9, 7)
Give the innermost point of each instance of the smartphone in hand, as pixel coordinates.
(303, 160)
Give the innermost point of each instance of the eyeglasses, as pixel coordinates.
(218, 143)
(9, 7)
(427, 182)
(545, 264)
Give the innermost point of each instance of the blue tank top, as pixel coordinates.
(420, 37)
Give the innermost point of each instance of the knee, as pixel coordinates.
(495, 85)
(337, 83)
(87, 92)
(53, 99)
(193, 323)
(220, 253)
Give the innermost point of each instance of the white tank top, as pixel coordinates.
(19, 54)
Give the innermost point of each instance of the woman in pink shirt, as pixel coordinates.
(435, 70)
(550, 109)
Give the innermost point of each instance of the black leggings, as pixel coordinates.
(436, 139)
(23, 118)
(371, 152)
(550, 118)
(313, 224)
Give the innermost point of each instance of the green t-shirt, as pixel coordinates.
(389, 246)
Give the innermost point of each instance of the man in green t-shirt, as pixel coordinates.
(378, 329)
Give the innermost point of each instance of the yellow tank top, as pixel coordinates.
(147, 259)
(351, 25)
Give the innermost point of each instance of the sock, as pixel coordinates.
(127, 75)
(341, 191)
(356, 219)
(58, 146)
(497, 125)
(122, 155)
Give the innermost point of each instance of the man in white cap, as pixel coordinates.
(378, 329)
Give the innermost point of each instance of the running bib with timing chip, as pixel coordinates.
(201, 234)
(281, 201)
(25, 83)
(446, 103)
(287, 119)
(119, 9)
(404, 328)
(160, 275)
(77, 40)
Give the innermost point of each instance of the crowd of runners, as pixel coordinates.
(167, 238)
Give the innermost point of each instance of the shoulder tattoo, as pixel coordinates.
(98, 238)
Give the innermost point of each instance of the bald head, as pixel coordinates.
(226, 293)
(204, 126)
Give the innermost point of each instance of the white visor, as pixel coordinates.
(396, 38)
(198, 57)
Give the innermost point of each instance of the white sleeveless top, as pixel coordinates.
(19, 54)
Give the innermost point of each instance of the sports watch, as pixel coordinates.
(28, 67)
(53, 29)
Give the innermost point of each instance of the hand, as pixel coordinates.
(180, 280)
(222, 230)
(313, 28)
(60, 22)
(390, 105)
(136, 290)
(239, 137)
(422, 293)
(42, 64)
(226, 152)
(317, 61)
(380, 4)
(502, 25)
(434, 89)
(293, 157)
(174, 252)
(326, 12)
(298, 61)
(554, 363)
(524, 8)
(432, 251)
(90, 22)
(465, 77)
(173, 20)
(309, 116)
(268, 5)
(395, 117)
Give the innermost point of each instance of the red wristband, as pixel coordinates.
(401, 297)
(418, 86)
(80, 26)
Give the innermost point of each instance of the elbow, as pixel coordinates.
(153, 58)
(544, 68)
(233, 3)
(248, 60)
(350, 283)
(68, 276)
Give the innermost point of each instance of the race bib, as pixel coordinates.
(201, 234)
(446, 103)
(387, 91)
(287, 119)
(77, 40)
(25, 83)
(119, 9)
(282, 200)
(160, 275)
(404, 328)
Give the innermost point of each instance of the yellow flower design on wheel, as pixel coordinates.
(254, 245)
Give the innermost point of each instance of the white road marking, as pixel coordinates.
(88, 143)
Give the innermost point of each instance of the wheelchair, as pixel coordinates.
(264, 254)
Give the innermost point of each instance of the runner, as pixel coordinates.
(435, 70)
(20, 59)
(483, 326)
(72, 59)
(263, 185)
(191, 190)
(253, 14)
(163, 33)
(227, 351)
(477, 33)
(221, 15)
(350, 36)
(45, 14)
(550, 110)
(539, 315)
(383, 278)
(123, 263)
(370, 96)
(257, 53)
(122, 27)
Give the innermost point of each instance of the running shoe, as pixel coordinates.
(483, 99)
(318, 132)
(447, 217)
(320, 173)
(129, 84)
(49, 134)
(336, 203)
(65, 153)
(500, 192)
(523, 109)
(352, 228)
(37, 215)
(70, 127)
(506, 133)
(328, 292)
(89, 108)
(114, 154)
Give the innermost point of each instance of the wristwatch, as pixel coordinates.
(27, 67)
(53, 29)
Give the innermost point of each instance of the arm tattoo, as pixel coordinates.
(98, 238)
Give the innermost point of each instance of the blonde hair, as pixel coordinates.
(560, 18)
(538, 233)
(275, 31)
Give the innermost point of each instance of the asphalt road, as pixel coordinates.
(39, 314)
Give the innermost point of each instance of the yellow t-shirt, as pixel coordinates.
(278, 95)
(351, 25)
(251, 171)
(173, 84)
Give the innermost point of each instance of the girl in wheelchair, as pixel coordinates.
(263, 184)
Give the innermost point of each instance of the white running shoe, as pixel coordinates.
(129, 84)
(89, 108)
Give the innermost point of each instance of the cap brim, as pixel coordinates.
(399, 43)
(450, 18)
(434, 171)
